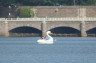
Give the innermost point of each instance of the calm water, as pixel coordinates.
(64, 50)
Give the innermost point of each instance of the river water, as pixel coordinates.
(64, 50)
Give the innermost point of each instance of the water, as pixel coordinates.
(64, 50)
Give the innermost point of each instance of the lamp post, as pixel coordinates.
(74, 1)
(9, 11)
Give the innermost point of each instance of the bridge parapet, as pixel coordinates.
(50, 19)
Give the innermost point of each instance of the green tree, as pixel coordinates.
(8, 1)
(24, 12)
(92, 2)
(32, 12)
(49, 2)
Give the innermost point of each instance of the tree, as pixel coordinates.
(24, 12)
(49, 2)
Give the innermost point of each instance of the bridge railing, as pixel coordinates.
(51, 19)
(2, 19)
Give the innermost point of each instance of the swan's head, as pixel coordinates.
(48, 32)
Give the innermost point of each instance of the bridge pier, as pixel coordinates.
(44, 28)
(83, 29)
(6, 33)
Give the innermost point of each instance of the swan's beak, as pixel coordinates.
(51, 33)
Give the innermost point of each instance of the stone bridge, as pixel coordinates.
(44, 24)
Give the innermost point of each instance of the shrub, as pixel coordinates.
(24, 12)
(32, 12)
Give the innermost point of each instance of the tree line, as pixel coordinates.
(49, 2)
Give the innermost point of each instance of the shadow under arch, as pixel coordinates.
(91, 32)
(25, 31)
(65, 31)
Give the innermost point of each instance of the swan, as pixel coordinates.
(47, 40)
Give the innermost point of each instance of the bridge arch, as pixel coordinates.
(75, 25)
(91, 31)
(25, 30)
(90, 25)
(65, 30)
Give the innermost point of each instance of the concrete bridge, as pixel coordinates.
(83, 24)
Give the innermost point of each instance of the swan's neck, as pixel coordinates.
(49, 35)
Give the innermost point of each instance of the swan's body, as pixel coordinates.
(44, 41)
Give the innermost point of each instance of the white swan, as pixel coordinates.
(45, 41)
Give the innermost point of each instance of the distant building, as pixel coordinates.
(9, 11)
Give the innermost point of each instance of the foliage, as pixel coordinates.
(49, 2)
(32, 12)
(24, 12)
